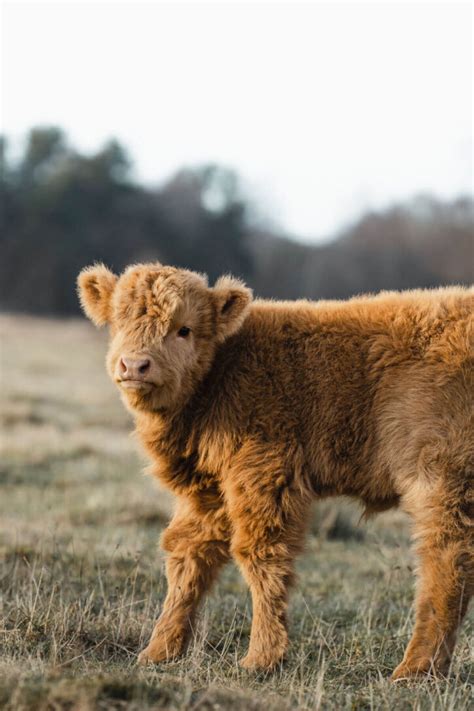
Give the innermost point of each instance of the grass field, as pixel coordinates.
(81, 577)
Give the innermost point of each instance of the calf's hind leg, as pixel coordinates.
(197, 545)
(446, 551)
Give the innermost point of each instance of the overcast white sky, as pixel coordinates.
(325, 109)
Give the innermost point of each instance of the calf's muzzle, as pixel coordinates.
(133, 368)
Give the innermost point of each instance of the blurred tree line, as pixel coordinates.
(62, 210)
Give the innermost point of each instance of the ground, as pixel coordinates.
(81, 577)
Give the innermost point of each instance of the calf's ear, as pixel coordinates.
(232, 299)
(95, 286)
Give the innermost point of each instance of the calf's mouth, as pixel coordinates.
(130, 384)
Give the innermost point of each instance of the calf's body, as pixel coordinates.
(291, 401)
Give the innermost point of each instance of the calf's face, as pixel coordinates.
(165, 325)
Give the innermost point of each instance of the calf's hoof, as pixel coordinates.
(160, 651)
(417, 670)
(260, 662)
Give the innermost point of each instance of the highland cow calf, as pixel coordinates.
(250, 410)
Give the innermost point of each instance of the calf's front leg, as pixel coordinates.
(197, 548)
(269, 578)
(269, 515)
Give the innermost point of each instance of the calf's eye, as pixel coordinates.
(184, 331)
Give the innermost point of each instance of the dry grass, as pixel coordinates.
(81, 579)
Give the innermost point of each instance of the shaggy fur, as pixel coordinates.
(263, 406)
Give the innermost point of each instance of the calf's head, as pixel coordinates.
(165, 325)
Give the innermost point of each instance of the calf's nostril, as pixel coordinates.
(130, 368)
(144, 366)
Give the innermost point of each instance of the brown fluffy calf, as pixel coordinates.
(250, 410)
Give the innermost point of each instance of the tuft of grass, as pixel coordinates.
(82, 578)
